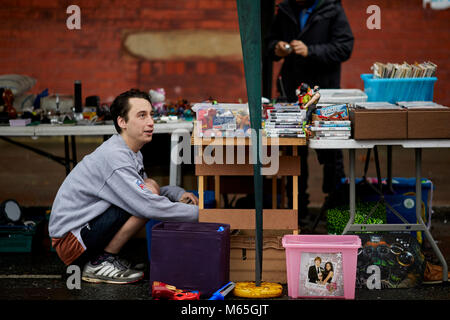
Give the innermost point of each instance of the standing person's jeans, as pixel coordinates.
(333, 172)
(333, 168)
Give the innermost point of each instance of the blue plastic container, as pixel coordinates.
(404, 199)
(148, 228)
(404, 205)
(394, 90)
(209, 198)
(406, 185)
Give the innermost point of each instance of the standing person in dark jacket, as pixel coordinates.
(320, 39)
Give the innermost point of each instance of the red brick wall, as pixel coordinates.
(36, 42)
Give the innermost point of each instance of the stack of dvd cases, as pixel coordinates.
(331, 130)
(285, 122)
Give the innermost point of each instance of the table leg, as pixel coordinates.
(283, 202)
(295, 184)
(174, 138)
(389, 168)
(201, 202)
(217, 190)
(201, 181)
(351, 153)
(419, 214)
(274, 192)
(66, 154)
(74, 151)
(418, 184)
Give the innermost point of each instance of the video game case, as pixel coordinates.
(275, 116)
(282, 121)
(336, 112)
(281, 111)
(225, 126)
(279, 125)
(286, 121)
(342, 123)
(222, 134)
(286, 116)
(334, 134)
(286, 107)
(278, 129)
(278, 111)
(300, 120)
(285, 131)
(284, 128)
(330, 128)
(286, 135)
(331, 138)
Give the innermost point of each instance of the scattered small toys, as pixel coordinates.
(308, 99)
(167, 111)
(306, 96)
(222, 292)
(161, 290)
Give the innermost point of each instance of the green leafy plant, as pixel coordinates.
(337, 218)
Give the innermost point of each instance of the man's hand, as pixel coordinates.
(281, 50)
(189, 198)
(299, 48)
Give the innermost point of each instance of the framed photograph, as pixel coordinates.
(321, 274)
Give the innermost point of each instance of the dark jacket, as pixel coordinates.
(327, 35)
(312, 274)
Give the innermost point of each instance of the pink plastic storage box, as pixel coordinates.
(321, 266)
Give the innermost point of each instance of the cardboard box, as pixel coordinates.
(428, 124)
(379, 124)
(242, 258)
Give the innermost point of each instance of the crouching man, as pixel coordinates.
(107, 198)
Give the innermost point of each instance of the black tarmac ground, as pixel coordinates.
(41, 276)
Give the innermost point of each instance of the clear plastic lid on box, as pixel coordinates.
(377, 106)
(421, 105)
(338, 96)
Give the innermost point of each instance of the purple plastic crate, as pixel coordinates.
(191, 256)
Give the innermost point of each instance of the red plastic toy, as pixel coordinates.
(161, 290)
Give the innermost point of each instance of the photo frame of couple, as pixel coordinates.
(321, 274)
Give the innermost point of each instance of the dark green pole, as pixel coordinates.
(249, 12)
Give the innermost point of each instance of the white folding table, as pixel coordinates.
(418, 145)
(175, 129)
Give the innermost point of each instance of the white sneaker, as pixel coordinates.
(111, 270)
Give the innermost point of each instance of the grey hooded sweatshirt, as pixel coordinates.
(112, 175)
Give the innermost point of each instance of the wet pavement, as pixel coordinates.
(40, 275)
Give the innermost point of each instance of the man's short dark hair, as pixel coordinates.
(120, 105)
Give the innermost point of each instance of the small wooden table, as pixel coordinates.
(289, 166)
